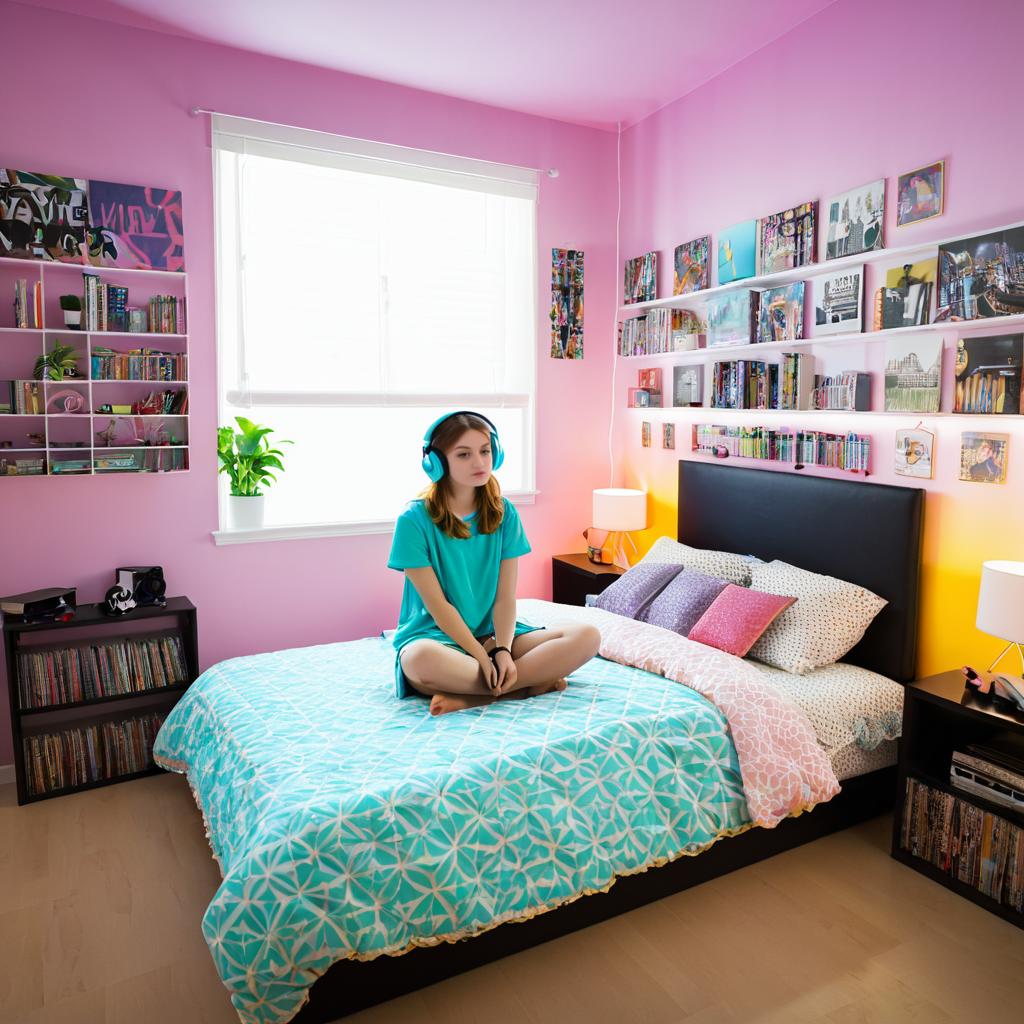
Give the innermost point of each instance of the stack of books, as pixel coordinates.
(744, 442)
(73, 674)
(980, 849)
(990, 773)
(849, 391)
(28, 313)
(104, 306)
(166, 315)
(75, 757)
(646, 335)
(137, 364)
(23, 397)
(755, 384)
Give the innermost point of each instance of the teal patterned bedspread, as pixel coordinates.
(351, 824)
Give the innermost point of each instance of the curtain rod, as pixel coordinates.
(551, 172)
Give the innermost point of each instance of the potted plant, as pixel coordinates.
(247, 458)
(57, 364)
(72, 306)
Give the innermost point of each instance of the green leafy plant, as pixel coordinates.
(60, 362)
(72, 303)
(247, 458)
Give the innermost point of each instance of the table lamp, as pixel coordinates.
(620, 510)
(1001, 605)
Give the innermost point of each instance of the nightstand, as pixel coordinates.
(962, 840)
(574, 576)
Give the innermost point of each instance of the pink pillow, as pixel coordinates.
(737, 617)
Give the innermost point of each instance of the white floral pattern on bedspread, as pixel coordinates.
(784, 769)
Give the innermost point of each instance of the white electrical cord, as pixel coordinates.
(615, 317)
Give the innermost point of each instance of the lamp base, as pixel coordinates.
(1020, 654)
(618, 540)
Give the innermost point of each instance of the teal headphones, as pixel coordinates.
(434, 463)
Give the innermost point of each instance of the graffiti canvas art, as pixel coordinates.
(42, 216)
(692, 270)
(566, 303)
(135, 227)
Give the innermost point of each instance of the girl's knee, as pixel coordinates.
(588, 638)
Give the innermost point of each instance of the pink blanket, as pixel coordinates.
(784, 769)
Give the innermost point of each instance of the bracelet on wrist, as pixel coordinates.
(494, 652)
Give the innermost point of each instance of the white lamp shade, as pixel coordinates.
(1001, 600)
(620, 509)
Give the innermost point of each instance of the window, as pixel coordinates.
(362, 291)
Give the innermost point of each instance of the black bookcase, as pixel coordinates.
(938, 718)
(91, 626)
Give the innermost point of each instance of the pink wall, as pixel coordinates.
(856, 93)
(110, 102)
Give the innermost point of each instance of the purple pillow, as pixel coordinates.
(634, 590)
(683, 601)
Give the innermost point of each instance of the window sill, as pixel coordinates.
(315, 530)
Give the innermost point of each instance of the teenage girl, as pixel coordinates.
(458, 641)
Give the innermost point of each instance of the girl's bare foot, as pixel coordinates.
(555, 686)
(442, 703)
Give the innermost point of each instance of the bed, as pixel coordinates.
(417, 848)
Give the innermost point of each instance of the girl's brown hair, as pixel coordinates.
(490, 509)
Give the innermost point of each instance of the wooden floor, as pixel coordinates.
(101, 896)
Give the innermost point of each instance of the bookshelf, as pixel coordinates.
(938, 719)
(58, 428)
(91, 693)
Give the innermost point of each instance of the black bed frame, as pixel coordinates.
(862, 532)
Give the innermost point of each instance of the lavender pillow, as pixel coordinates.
(634, 590)
(683, 601)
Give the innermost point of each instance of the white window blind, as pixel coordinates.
(363, 290)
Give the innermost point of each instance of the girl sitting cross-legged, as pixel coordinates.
(458, 640)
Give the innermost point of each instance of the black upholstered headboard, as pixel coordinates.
(869, 534)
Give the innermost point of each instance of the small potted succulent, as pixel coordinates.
(72, 306)
(247, 457)
(60, 363)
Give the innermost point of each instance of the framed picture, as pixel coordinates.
(640, 281)
(983, 457)
(787, 239)
(919, 194)
(692, 266)
(668, 435)
(838, 301)
(913, 373)
(988, 374)
(855, 220)
(737, 252)
(645, 434)
(686, 385)
(781, 314)
(914, 453)
(981, 276)
(906, 298)
(566, 303)
(732, 318)
(43, 216)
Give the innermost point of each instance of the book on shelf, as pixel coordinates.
(28, 312)
(91, 753)
(849, 391)
(647, 335)
(756, 384)
(988, 374)
(138, 364)
(965, 842)
(21, 397)
(105, 308)
(640, 278)
(848, 452)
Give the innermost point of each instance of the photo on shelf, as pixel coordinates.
(692, 266)
(135, 227)
(906, 298)
(983, 457)
(855, 220)
(981, 276)
(988, 374)
(919, 193)
(668, 435)
(641, 279)
(566, 303)
(781, 315)
(913, 373)
(645, 434)
(914, 453)
(686, 385)
(737, 252)
(638, 398)
(732, 318)
(787, 239)
(42, 216)
(688, 331)
(838, 301)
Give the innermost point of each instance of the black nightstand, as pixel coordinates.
(575, 576)
(938, 718)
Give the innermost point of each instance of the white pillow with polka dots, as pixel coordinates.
(723, 565)
(828, 619)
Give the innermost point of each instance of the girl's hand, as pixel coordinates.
(507, 672)
(489, 670)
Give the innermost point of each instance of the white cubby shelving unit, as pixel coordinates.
(72, 443)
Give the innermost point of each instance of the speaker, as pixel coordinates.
(145, 583)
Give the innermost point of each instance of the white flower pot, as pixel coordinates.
(245, 513)
(73, 319)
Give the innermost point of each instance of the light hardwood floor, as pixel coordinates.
(101, 896)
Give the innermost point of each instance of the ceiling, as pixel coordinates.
(591, 62)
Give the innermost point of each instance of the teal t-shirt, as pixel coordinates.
(467, 570)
